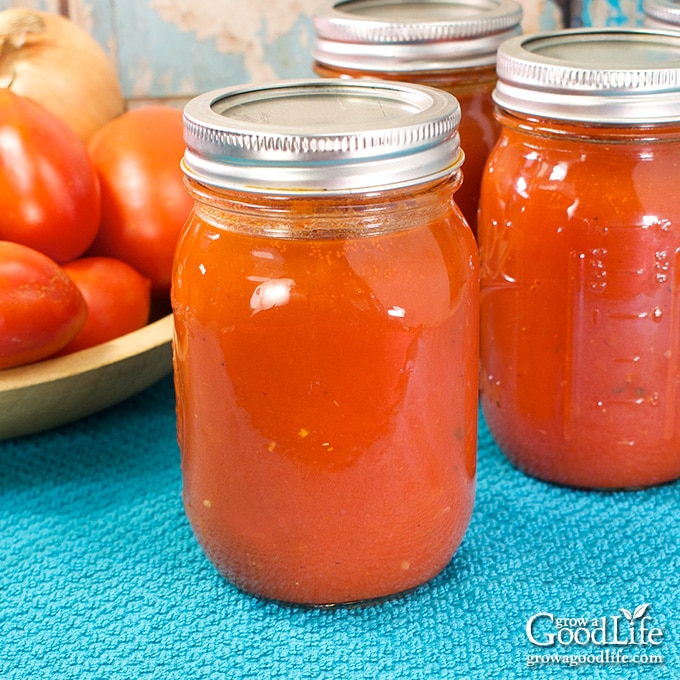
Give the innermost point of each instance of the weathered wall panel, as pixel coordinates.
(174, 49)
(611, 13)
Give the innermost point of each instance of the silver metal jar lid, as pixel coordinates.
(612, 76)
(412, 35)
(662, 14)
(321, 136)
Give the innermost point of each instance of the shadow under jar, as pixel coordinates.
(448, 44)
(579, 237)
(326, 301)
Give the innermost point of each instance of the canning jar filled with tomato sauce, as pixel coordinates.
(326, 302)
(579, 238)
(448, 44)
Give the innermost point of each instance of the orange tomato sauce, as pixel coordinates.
(478, 126)
(579, 237)
(327, 399)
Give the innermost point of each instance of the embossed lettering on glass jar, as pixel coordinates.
(579, 238)
(326, 302)
(449, 44)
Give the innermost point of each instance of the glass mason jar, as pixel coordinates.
(326, 303)
(448, 44)
(579, 237)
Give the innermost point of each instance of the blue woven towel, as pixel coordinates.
(100, 576)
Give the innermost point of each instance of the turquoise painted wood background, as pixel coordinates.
(174, 49)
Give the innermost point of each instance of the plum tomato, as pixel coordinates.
(49, 190)
(144, 202)
(118, 299)
(41, 309)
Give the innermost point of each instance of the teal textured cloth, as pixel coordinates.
(100, 577)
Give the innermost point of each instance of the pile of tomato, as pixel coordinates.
(87, 229)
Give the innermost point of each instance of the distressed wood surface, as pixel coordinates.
(175, 49)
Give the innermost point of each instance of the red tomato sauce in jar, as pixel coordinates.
(326, 373)
(448, 45)
(579, 241)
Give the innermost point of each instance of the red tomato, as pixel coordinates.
(49, 191)
(41, 309)
(144, 203)
(118, 299)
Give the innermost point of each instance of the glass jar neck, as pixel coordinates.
(318, 216)
(606, 131)
(475, 79)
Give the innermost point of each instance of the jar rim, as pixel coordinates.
(599, 75)
(665, 11)
(321, 136)
(412, 35)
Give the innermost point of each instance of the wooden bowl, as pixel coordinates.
(57, 391)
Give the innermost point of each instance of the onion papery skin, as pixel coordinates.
(52, 60)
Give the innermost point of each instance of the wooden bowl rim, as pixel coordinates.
(140, 341)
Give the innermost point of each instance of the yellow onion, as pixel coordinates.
(55, 62)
